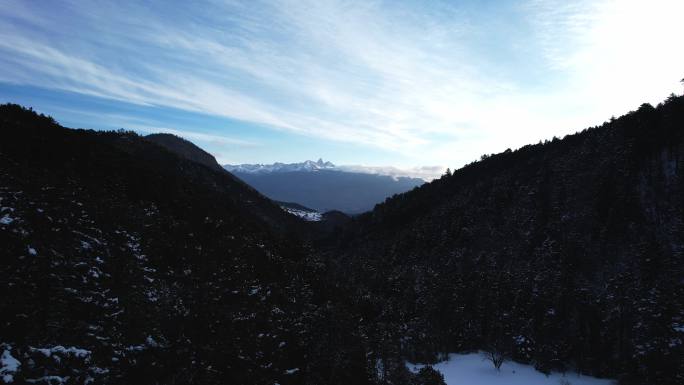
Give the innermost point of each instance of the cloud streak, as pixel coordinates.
(434, 84)
(198, 136)
(426, 173)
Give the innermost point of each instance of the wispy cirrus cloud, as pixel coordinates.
(219, 140)
(432, 83)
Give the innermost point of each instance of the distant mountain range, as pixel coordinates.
(319, 186)
(307, 189)
(322, 185)
(281, 167)
(192, 152)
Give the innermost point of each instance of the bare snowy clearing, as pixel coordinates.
(475, 369)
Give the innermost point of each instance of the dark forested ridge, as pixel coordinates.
(566, 254)
(185, 149)
(124, 262)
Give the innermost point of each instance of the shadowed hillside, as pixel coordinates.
(124, 263)
(566, 254)
(185, 149)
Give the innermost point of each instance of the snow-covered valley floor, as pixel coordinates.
(473, 369)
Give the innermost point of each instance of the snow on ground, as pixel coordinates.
(48, 379)
(312, 216)
(73, 351)
(473, 369)
(6, 219)
(8, 366)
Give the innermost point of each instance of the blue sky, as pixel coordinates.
(396, 83)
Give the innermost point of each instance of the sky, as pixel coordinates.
(411, 84)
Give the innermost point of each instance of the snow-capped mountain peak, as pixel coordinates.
(307, 165)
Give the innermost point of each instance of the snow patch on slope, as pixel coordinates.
(474, 369)
(311, 216)
(74, 351)
(8, 366)
(6, 220)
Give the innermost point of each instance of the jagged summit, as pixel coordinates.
(307, 165)
(322, 185)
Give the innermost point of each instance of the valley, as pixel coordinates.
(130, 259)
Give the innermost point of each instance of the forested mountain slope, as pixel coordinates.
(185, 149)
(566, 254)
(124, 263)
